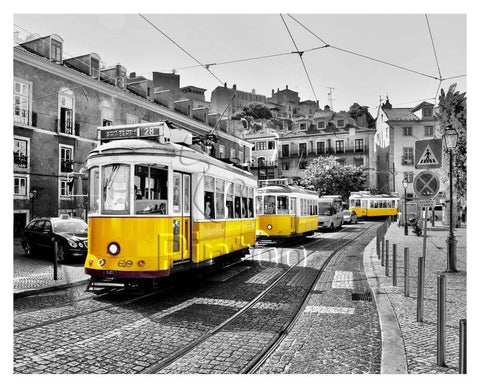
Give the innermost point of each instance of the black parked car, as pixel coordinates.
(70, 233)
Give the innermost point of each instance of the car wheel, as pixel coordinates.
(28, 249)
(60, 254)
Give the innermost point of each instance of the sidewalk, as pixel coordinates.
(35, 275)
(409, 346)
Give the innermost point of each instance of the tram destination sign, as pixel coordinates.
(130, 133)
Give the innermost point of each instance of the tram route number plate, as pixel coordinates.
(129, 133)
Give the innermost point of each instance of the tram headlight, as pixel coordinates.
(72, 243)
(113, 248)
(269, 227)
(102, 262)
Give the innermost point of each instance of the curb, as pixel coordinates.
(394, 357)
(24, 293)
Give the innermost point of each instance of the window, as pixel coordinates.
(429, 130)
(269, 204)
(270, 174)
(285, 150)
(221, 152)
(320, 147)
(22, 101)
(64, 188)
(66, 105)
(427, 111)
(116, 189)
(302, 148)
(150, 190)
(259, 205)
(238, 200)
(66, 159)
(21, 148)
(408, 176)
(261, 162)
(94, 191)
(285, 166)
(358, 145)
(407, 131)
(321, 125)
(358, 162)
(340, 123)
(244, 201)
(303, 126)
(260, 145)
(56, 51)
(20, 186)
(282, 205)
(407, 155)
(251, 214)
(303, 165)
(339, 147)
(233, 154)
(271, 145)
(107, 117)
(219, 198)
(209, 189)
(94, 67)
(131, 119)
(240, 156)
(229, 200)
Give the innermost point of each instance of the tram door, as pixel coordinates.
(182, 236)
(364, 206)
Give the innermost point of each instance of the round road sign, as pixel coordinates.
(426, 185)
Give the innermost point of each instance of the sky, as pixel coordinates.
(401, 39)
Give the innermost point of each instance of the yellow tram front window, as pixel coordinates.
(116, 189)
(259, 204)
(282, 204)
(269, 204)
(94, 207)
(150, 190)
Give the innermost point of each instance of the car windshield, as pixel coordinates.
(69, 226)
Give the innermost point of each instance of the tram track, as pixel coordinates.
(121, 292)
(258, 360)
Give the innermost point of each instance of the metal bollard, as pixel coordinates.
(386, 259)
(420, 288)
(382, 256)
(394, 265)
(441, 318)
(462, 357)
(378, 244)
(55, 257)
(406, 271)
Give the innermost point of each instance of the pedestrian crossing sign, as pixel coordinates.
(428, 153)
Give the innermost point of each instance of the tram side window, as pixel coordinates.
(282, 205)
(116, 189)
(269, 204)
(355, 203)
(238, 201)
(259, 204)
(219, 198)
(209, 189)
(94, 190)
(229, 200)
(302, 206)
(150, 190)
(293, 205)
(250, 202)
(244, 201)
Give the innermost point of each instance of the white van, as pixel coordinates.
(330, 213)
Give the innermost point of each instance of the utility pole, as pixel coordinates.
(330, 96)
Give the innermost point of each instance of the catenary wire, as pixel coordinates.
(433, 46)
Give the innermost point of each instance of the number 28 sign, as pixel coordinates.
(426, 185)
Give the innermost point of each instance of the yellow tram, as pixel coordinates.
(366, 204)
(156, 206)
(285, 211)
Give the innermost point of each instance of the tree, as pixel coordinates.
(328, 177)
(252, 112)
(358, 111)
(453, 111)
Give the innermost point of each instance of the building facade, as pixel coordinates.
(230, 100)
(57, 110)
(264, 162)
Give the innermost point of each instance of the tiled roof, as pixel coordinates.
(400, 114)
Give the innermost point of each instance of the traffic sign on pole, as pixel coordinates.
(426, 185)
(428, 153)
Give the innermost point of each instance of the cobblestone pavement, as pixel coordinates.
(420, 337)
(334, 334)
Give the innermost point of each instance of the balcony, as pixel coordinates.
(66, 166)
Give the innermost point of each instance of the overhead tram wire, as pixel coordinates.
(206, 67)
(433, 46)
(311, 32)
(300, 54)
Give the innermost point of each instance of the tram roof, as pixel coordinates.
(373, 196)
(139, 146)
(284, 189)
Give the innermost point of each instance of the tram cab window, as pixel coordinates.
(150, 189)
(244, 202)
(94, 180)
(282, 204)
(293, 205)
(250, 202)
(229, 200)
(238, 201)
(219, 198)
(116, 189)
(259, 204)
(209, 189)
(269, 204)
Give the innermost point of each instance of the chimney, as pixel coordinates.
(278, 89)
(224, 84)
(234, 86)
(273, 92)
(133, 75)
(253, 91)
(286, 87)
(326, 107)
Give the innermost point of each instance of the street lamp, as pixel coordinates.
(451, 136)
(33, 194)
(405, 184)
